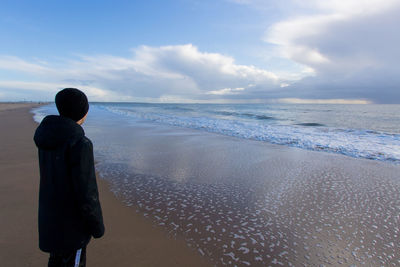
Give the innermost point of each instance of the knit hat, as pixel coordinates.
(72, 103)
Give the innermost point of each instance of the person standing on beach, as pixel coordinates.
(69, 208)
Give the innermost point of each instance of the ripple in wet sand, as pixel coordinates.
(309, 216)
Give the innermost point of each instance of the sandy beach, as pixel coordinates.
(130, 239)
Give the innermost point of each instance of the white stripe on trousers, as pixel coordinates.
(78, 257)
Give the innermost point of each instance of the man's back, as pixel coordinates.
(69, 207)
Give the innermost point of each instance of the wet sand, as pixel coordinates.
(130, 239)
(249, 203)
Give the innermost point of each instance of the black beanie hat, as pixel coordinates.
(72, 103)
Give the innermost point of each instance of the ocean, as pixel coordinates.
(258, 185)
(361, 131)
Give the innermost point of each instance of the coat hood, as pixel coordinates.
(54, 131)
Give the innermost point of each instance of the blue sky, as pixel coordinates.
(290, 51)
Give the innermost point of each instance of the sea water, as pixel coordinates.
(209, 174)
(361, 131)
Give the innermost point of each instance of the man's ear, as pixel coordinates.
(81, 121)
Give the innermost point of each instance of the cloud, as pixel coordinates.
(150, 74)
(321, 101)
(37, 91)
(352, 46)
(227, 91)
(17, 64)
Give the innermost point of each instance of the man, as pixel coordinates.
(69, 208)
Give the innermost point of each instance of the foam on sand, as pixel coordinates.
(306, 208)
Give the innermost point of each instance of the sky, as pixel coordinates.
(202, 51)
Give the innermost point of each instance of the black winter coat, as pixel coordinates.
(69, 207)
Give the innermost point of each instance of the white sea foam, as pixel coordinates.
(362, 143)
(39, 114)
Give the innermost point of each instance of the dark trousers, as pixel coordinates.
(75, 258)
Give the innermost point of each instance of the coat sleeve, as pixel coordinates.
(85, 186)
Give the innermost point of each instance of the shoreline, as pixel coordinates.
(132, 240)
(252, 203)
(233, 201)
(129, 240)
